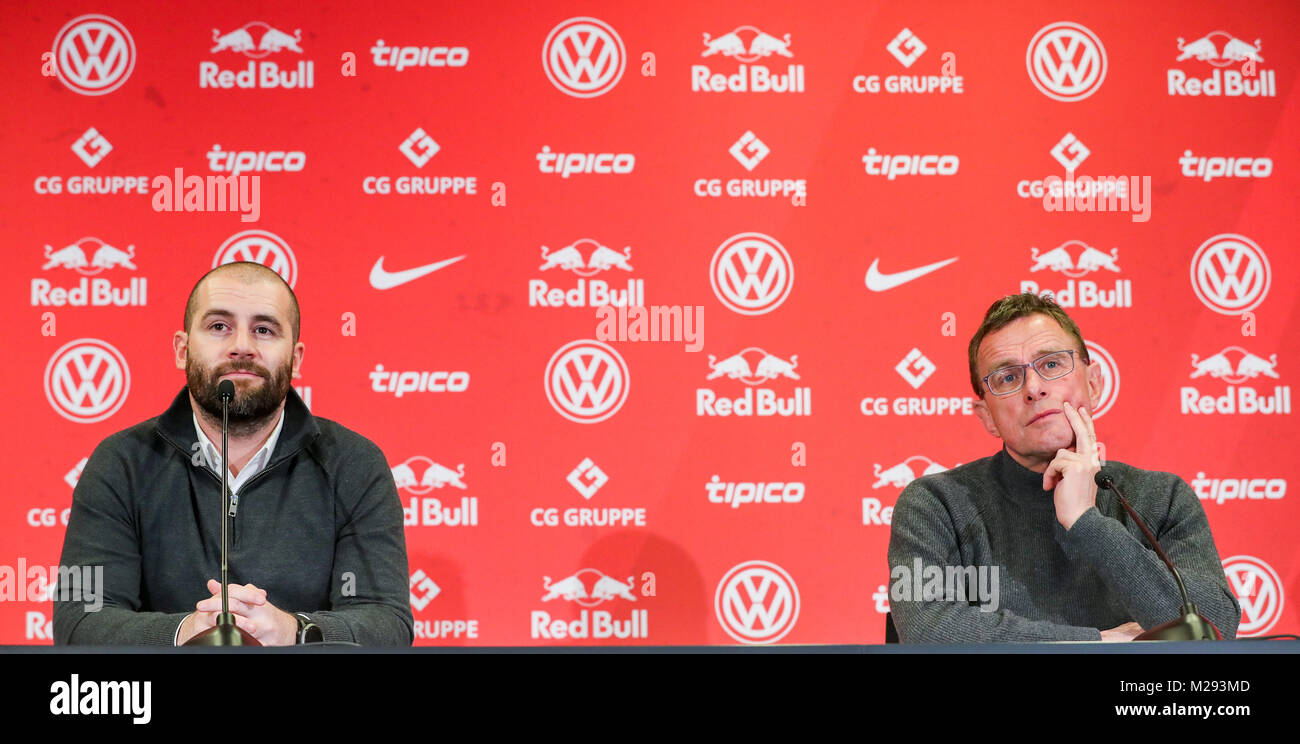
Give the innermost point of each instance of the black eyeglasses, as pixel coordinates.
(1051, 366)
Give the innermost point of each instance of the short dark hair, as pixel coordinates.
(1013, 307)
(247, 272)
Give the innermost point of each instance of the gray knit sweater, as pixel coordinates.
(1053, 584)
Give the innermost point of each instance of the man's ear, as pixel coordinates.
(180, 348)
(986, 417)
(1095, 384)
(298, 350)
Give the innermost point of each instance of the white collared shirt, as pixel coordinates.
(212, 456)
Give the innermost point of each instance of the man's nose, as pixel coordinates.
(243, 342)
(1034, 387)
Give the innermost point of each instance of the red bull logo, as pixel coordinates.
(874, 512)
(590, 588)
(1247, 366)
(753, 366)
(1258, 589)
(599, 258)
(898, 476)
(1221, 49)
(747, 44)
(1062, 259)
(766, 366)
(1066, 61)
(430, 512)
(586, 258)
(1235, 366)
(94, 54)
(257, 40)
(90, 256)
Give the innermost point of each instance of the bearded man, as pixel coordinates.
(317, 548)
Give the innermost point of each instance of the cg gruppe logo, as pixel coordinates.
(87, 380)
(1109, 377)
(1258, 589)
(1230, 274)
(757, 602)
(94, 54)
(751, 273)
(584, 57)
(586, 381)
(259, 246)
(1066, 61)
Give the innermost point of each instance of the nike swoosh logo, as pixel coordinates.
(380, 279)
(878, 282)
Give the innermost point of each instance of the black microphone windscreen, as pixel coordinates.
(226, 390)
(1103, 479)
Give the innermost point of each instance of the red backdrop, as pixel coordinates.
(639, 151)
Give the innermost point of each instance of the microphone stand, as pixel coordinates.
(225, 632)
(1190, 625)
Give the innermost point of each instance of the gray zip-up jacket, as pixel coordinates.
(319, 528)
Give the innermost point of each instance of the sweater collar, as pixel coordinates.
(299, 427)
(1018, 482)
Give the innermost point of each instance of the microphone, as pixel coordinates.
(1191, 625)
(225, 632)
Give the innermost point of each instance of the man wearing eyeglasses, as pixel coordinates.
(1069, 564)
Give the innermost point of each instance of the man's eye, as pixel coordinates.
(217, 326)
(1051, 364)
(1008, 377)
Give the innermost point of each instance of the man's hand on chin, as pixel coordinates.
(1070, 475)
(267, 623)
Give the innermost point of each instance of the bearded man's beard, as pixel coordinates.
(252, 407)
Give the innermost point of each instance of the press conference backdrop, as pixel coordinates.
(821, 199)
